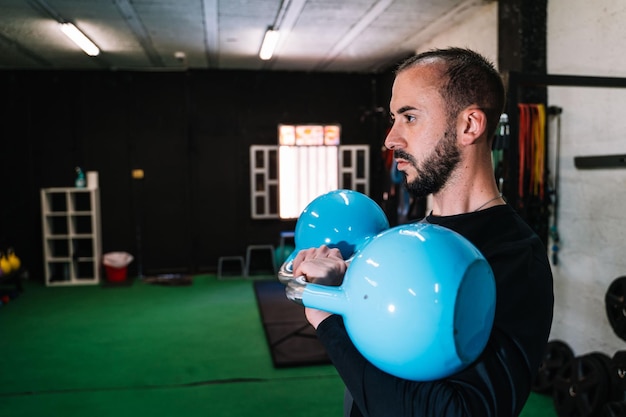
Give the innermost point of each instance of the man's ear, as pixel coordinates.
(473, 124)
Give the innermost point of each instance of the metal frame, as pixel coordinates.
(354, 174)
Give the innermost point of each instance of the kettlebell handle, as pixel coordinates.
(295, 288)
(285, 273)
(321, 297)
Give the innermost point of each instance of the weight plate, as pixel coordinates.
(618, 373)
(615, 393)
(558, 353)
(614, 409)
(615, 303)
(581, 387)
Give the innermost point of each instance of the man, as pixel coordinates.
(445, 107)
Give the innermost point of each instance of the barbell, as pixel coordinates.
(418, 300)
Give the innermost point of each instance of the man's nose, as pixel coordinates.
(393, 139)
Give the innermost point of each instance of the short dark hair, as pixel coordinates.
(467, 78)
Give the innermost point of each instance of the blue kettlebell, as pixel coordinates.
(418, 301)
(343, 219)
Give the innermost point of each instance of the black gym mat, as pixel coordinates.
(292, 341)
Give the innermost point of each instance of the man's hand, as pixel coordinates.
(324, 266)
(321, 265)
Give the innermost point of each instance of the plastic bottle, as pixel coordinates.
(80, 178)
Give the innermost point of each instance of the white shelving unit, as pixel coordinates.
(71, 235)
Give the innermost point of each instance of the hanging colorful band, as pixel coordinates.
(532, 150)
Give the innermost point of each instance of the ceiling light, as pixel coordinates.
(269, 43)
(79, 39)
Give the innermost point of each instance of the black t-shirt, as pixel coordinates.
(498, 383)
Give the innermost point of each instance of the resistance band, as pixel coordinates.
(531, 150)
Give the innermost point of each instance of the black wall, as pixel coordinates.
(189, 131)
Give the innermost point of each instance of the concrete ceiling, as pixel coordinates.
(316, 35)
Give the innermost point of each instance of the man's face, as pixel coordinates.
(422, 138)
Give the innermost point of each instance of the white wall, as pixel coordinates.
(478, 31)
(584, 38)
(588, 38)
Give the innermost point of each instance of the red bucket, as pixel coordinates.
(115, 274)
(115, 265)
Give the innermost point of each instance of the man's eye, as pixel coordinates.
(409, 118)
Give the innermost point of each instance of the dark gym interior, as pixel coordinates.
(189, 131)
(204, 345)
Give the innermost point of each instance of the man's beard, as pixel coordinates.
(435, 170)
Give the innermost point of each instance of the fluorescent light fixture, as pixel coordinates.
(269, 43)
(79, 39)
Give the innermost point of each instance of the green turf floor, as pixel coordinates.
(156, 350)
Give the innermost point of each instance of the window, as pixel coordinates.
(305, 172)
(264, 181)
(308, 162)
